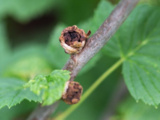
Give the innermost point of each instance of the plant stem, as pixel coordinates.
(93, 45)
(90, 90)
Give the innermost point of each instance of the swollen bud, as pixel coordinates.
(73, 39)
(72, 92)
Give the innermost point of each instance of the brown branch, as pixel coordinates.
(99, 39)
(94, 44)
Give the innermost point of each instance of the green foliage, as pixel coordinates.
(4, 47)
(140, 49)
(151, 2)
(95, 22)
(136, 42)
(130, 110)
(12, 92)
(74, 11)
(26, 62)
(93, 25)
(49, 87)
(24, 10)
(20, 111)
(96, 103)
(58, 58)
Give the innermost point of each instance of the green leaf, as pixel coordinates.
(138, 27)
(72, 10)
(130, 110)
(49, 87)
(19, 111)
(138, 43)
(150, 2)
(26, 62)
(55, 51)
(101, 13)
(12, 92)
(87, 110)
(24, 10)
(4, 46)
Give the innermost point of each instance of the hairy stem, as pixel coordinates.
(90, 90)
(94, 44)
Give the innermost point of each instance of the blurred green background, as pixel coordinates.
(29, 45)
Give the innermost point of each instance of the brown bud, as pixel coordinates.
(72, 92)
(73, 39)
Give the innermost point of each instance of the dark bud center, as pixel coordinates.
(71, 37)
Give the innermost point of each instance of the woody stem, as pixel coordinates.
(94, 44)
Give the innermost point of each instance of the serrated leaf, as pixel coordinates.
(24, 10)
(12, 92)
(130, 110)
(138, 42)
(49, 87)
(137, 26)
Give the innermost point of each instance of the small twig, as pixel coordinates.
(90, 90)
(94, 44)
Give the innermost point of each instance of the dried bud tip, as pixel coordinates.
(72, 93)
(73, 39)
(88, 33)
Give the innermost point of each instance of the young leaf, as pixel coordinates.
(49, 87)
(12, 92)
(138, 42)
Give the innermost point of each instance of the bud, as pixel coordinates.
(73, 39)
(72, 93)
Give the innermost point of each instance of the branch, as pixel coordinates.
(99, 39)
(93, 45)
